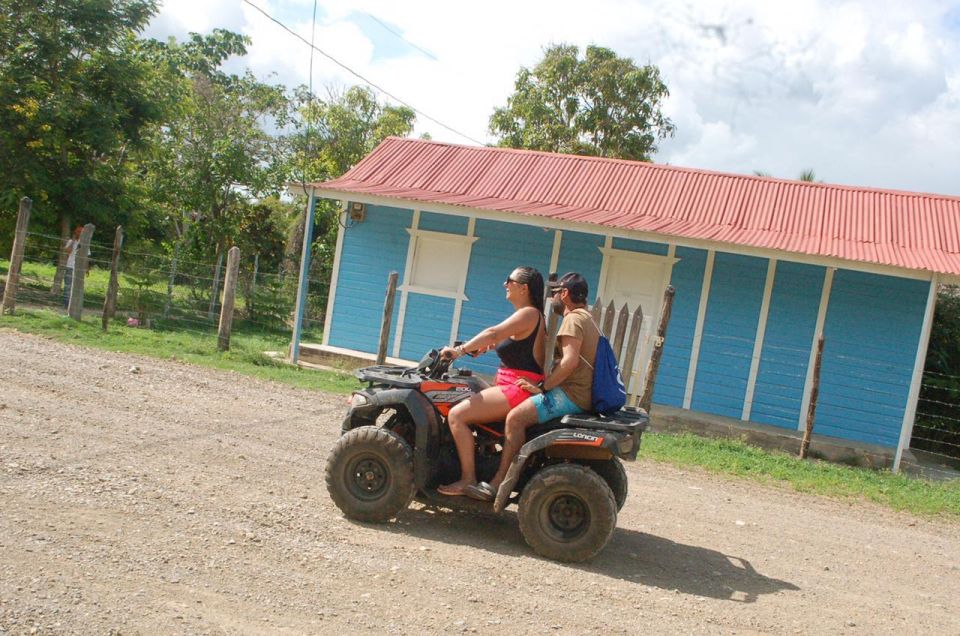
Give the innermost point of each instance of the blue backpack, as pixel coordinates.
(609, 394)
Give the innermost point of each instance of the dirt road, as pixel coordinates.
(140, 496)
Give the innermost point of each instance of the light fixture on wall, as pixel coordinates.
(358, 212)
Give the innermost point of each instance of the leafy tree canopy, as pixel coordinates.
(76, 91)
(338, 132)
(601, 105)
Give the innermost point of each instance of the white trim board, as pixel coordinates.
(335, 275)
(458, 306)
(906, 429)
(603, 230)
(817, 332)
(402, 311)
(555, 254)
(758, 342)
(698, 330)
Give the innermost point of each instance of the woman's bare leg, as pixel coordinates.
(490, 405)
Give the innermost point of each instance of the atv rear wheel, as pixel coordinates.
(370, 474)
(614, 474)
(567, 512)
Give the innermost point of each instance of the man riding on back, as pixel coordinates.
(568, 387)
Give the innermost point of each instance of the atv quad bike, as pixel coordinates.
(567, 480)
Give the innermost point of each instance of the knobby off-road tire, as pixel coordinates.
(567, 513)
(370, 474)
(614, 474)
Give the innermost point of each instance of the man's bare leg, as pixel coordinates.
(519, 419)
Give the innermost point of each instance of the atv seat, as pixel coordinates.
(626, 420)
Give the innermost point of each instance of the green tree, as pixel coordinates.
(334, 134)
(601, 105)
(77, 89)
(222, 148)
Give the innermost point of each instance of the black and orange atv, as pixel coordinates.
(567, 480)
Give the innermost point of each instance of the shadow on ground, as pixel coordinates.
(631, 556)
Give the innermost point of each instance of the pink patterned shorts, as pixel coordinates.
(507, 377)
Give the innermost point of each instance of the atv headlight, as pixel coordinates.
(359, 399)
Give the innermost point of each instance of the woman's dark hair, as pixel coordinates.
(534, 282)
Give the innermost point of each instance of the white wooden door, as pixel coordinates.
(634, 279)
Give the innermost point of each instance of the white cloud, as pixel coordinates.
(863, 92)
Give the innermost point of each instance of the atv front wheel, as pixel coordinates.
(370, 474)
(567, 513)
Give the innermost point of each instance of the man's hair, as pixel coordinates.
(575, 284)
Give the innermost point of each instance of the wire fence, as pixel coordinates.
(168, 290)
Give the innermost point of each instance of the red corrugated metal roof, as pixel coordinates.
(902, 229)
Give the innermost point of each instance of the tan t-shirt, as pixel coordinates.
(579, 324)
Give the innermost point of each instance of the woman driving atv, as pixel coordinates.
(518, 341)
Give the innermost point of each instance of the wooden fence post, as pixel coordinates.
(229, 294)
(387, 317)
(812, 409)
(626, 362)
(608, 317)
(16, 257)
(110, 302)
(75, 308)
(597, 311)
(651, 378)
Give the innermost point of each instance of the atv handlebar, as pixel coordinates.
(433, 365)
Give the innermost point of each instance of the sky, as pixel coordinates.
(863, 92)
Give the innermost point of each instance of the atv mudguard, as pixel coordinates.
(425, 419)
(618, 436)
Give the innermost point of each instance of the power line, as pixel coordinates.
(359, 76)
(399, 35)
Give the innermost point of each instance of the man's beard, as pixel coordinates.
(557, 306)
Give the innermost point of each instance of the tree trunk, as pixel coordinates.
(57, 285)
(215, 292)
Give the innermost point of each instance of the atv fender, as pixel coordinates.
(571, 437)
(425, 419)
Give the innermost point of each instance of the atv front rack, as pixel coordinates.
(402, 377)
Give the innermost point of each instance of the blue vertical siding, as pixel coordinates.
(791, 327)
(443, 223)
(370, 251)
(729, 333)
(426, 324)
(498, 250)
(687, 279)
(872, 327)
(646, 247)
(580, 252)
(871, 336)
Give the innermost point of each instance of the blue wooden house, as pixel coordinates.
(762, 267)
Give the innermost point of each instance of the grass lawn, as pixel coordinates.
(198, 347)
(729, 457)
(733, 457)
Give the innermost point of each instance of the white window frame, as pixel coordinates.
(464, 245)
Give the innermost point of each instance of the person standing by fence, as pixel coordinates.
(71, 250)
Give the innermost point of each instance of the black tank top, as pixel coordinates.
(518, 354)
